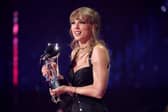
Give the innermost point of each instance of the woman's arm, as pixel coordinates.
(100, 61)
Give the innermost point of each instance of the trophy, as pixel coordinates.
(51, 54)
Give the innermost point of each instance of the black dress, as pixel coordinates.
(80, 103)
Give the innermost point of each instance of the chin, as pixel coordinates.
(78, 38)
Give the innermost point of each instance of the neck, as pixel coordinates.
(84, 45)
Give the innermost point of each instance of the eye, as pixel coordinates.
(72, 22)
(82, 22)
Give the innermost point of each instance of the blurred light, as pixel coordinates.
(56, 46)
(163, 8)
(15, 48)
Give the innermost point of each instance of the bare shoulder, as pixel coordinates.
(100, 52)
(100, 49)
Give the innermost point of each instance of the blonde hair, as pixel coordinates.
(92, 17)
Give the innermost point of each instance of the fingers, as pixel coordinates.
(53, 65)
(47, 71)
(52, 92)
(57, 91)
(60, 76)
(44, 70)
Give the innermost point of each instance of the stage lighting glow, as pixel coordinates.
(15, 48)
(163, 8)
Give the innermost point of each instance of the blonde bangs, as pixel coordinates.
(81, 15)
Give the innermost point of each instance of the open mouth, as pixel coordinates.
(77, 33)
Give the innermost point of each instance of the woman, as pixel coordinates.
(89, 72)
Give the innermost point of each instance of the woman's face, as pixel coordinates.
(81, 30)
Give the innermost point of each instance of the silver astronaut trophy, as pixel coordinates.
(51, 54)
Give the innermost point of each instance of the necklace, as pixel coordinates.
(82, 48)
(83, 52)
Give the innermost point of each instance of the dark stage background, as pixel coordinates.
(136, 33)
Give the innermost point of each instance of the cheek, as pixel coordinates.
(87, 30)
(71, 28)
(70, 31)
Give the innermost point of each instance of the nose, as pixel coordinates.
(76, 25)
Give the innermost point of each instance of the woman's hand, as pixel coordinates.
(46, 71)
(58, 91)
(62, 89)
